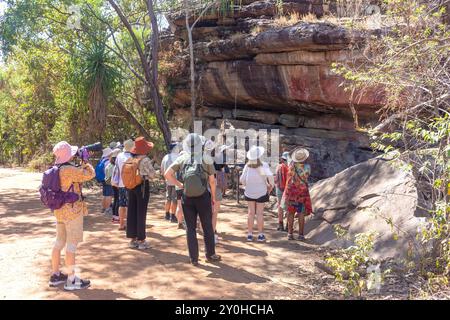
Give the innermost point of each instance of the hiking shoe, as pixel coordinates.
(173, 219)
(214, 258)
(261, 238)
(290, 236)
(167, 216)
(56, 280)
(194, 263)
(250, 238)
(180, 226)
(77, 284)
(108, 212)
(301, 237)
(280, 227)
(143, 245)
(133, 244)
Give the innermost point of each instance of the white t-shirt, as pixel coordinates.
(255, 180)
(167, 162)
(120, 160)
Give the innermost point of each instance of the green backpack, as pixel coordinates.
(194, 179)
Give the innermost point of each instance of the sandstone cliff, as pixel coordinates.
(254, 73)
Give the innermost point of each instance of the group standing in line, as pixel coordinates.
(195, 185)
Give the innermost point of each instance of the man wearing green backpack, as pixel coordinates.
(197, 200)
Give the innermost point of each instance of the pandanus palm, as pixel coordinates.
(99, 77)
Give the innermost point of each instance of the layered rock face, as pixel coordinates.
(252, 73)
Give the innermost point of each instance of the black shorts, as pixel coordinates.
(263, 199)
(179, 194)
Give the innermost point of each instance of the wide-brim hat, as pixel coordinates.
(255, 153)
(193, 143)
(115, 153)
(300, 155)
(142, 146)
(114, 145)
(107, 152)
(63, 152)
(128, 145)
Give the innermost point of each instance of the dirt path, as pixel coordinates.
(277, 269)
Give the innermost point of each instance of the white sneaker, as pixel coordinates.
(143, 245)
(133, 244)
(76, 284)
(216, 238)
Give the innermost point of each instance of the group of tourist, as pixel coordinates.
(195, 185)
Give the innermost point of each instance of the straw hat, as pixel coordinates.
(63, 152)
(142, 146)
(255, 153)
(128, 145)
(299, 155)
(107, 152)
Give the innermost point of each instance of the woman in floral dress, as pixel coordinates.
(296, 200)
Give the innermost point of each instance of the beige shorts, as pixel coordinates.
(70, 232)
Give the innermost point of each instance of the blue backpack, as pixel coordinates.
(50, 190)
(100, 170)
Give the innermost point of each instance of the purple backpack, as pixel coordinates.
(51, 194)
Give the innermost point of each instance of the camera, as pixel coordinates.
(83, 152)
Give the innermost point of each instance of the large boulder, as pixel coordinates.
(371, 196)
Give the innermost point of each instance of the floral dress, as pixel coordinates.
(296, 196)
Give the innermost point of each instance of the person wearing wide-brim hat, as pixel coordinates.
(171, 194)
(139, 196)
(123, 193)
(69, 227)
(296, 199)
(280, 185)
(109, 170)
(258, 182)
(197, 200)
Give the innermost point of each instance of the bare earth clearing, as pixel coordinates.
(277, 269)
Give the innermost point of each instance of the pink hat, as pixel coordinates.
(64, 152)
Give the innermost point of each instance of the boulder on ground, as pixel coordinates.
(374, 195)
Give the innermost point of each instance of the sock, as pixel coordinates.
(71, 278)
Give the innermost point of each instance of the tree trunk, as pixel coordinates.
(154, 90)
(130, 117)
(192, 62)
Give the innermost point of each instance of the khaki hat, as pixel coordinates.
(128, 145)
(300, 155)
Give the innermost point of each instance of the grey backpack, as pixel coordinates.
(194, 179)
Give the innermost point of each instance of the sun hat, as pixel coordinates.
(209, 145)
(285, 155)
(128, 145)
(299, 155)
(142, 146)
(115, 153)
(63, 152)
(114, 145)
(107, 152)
(193, 143)
(255, 153)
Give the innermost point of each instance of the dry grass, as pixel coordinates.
(287, 20)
